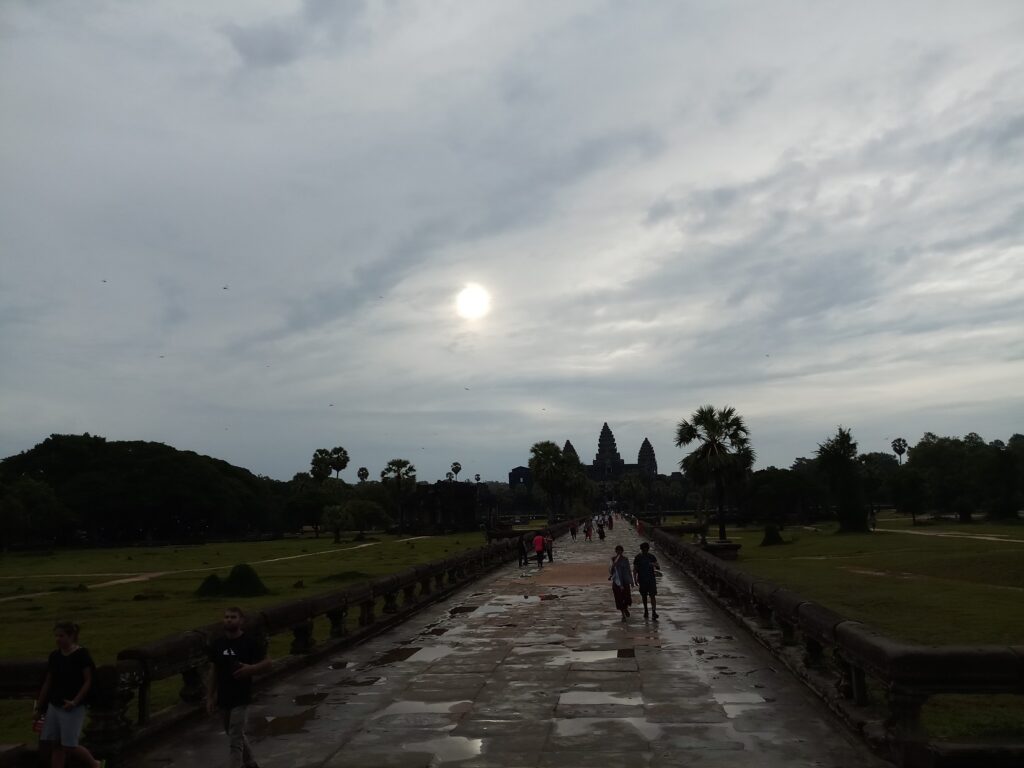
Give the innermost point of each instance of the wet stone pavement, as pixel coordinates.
(533, 667)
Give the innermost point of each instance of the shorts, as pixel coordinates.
(63, 726)
(649, 588)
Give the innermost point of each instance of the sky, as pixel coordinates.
(239, 228)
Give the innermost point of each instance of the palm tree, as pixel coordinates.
(399, 470)
(338, 460)
(723, 452)
(363, 474)
(476, 477)
(899, 447)
(449, 476)
(456, 468)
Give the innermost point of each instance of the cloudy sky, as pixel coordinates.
(239, 228)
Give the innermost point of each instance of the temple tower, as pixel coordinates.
(570, 450)
(645, 460)
(607, 463)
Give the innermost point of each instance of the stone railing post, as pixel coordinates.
(109, 727)
(906, 733)
(409, 594)
(391, 602)
(193, 689)
(338, 617)
(366, 617)
(425, 588)
(302, 638)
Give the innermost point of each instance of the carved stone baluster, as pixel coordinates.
(366, 617)
(302, 638)
(409, 594)
(391, 602)
(338, 618)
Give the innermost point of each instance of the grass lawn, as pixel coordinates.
(112, 618)
(925, 589)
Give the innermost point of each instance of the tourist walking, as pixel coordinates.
(572, 529)
(538, 548)
(622, 579)
(549, 546)
(70, 671)
(611, 525)
(645, 570)
(524, 549)
(236, 657)
(588, 531)
(600, 530)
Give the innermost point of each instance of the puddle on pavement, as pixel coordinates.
(394, 655)
(425, 707)
(306, 699)
(598, 727)
(627, 653)
(339, 665)
(550, 597)
(436, 631)
(739, 698)
(360, 682)
(432, 653)
(735, 710)
(598, 698)
(448, 749)
(284, 724)
(462, 609)
(585, 657)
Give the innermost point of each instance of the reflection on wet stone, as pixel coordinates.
(546, 678)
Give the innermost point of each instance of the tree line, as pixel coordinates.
(963, 477)
(84, 489)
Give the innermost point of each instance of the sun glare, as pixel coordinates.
(473, 302)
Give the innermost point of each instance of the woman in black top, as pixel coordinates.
(69, 675)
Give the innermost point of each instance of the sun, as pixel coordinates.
(473, 302)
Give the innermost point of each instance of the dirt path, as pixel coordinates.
(949, 535)
(132, 578)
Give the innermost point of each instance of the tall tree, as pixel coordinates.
(723, 452)
(338, 460)
(899, 447)
(837, 458)
(320, 465)
(559, 475)
(401, 472)
(456, 468)
(476, 477)
(363, 474)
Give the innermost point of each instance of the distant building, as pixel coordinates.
(608, 465)
(520, 477)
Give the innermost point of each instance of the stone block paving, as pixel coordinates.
(533, 668)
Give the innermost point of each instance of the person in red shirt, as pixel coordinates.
(538, 548)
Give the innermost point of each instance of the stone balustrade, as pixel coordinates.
(857, 670)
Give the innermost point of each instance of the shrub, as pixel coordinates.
(243, 581)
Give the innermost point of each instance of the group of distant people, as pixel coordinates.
(643, 574)
(58, 713)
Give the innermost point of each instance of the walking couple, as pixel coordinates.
(642, 574)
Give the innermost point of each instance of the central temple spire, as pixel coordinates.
(607, 462)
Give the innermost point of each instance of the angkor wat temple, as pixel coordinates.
(607, 466)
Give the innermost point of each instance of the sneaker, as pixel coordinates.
(645, 615)
(654, 615)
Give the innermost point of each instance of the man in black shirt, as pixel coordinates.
(645, 566)
(236, 657)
